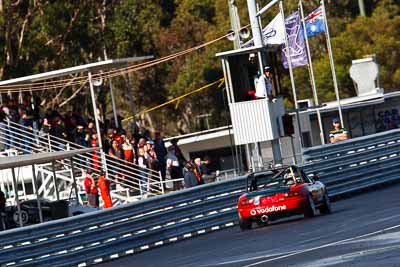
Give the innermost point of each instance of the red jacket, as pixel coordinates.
(87, 182)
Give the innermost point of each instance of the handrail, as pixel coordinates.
(135, 173)
(60, 141)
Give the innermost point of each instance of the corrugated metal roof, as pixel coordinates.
(97, 66)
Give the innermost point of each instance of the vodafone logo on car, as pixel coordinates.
(267, 210)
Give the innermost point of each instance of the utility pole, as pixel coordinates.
(235, 22)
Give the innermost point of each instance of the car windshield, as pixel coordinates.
(283, 177)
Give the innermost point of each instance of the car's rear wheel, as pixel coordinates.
(244, 224)
(310, 210)
(326, 205)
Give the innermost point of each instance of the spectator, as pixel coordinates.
(199, 170)
(178, 152)
(95, 156)
(338, 133)
(91, 190)
(161, 152)
(264, 84)
(104, 186)
(69, 125)
(142, 142)
(174, 168)
(80, 136)
(142, 162)
(27, 126)
(189, 176)
(58, 131)
(129, 153)
(116, 153)
(134, 147)
(153, 161)
(45, 128)
(90, 128)
(107, 143)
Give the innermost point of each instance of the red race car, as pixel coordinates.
(288, 191)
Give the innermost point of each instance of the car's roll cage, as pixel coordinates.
(251, 181)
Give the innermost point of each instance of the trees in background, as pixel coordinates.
(39, 35)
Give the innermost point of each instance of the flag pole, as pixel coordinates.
(332, 63)
(313, 86)
(289, 58)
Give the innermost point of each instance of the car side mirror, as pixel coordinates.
(315, 177)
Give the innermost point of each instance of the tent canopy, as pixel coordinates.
(93, 67)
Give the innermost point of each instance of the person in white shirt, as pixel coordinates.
(173, 167)
(264, 84)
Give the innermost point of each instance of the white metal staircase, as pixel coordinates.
(134, 183)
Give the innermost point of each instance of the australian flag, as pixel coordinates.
(315, 22)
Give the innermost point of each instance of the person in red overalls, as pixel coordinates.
(91, 190)
(104, 186)
(95, 156)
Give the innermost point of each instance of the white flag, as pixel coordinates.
(273, 33)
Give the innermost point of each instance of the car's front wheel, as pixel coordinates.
(244, 224)
(326, 205)
(310, 210)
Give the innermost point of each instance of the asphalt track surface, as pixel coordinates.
(362, 231)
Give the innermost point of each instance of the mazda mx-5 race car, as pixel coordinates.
(289, 191)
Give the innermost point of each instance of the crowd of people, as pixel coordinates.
(140, 148)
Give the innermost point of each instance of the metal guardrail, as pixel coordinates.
(349, 146)
(127, 229)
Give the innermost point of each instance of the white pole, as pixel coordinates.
(254, 22)
(235, 23)
(256, 30)
(313, 86)
(328, 43)
(289, 58)
(96, 120)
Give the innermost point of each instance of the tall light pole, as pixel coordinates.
(361, 5)
(256, 30)
(235, 22)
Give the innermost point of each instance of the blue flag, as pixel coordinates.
(296, 43)
(315, 22)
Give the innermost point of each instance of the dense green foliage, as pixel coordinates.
(43, 35)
